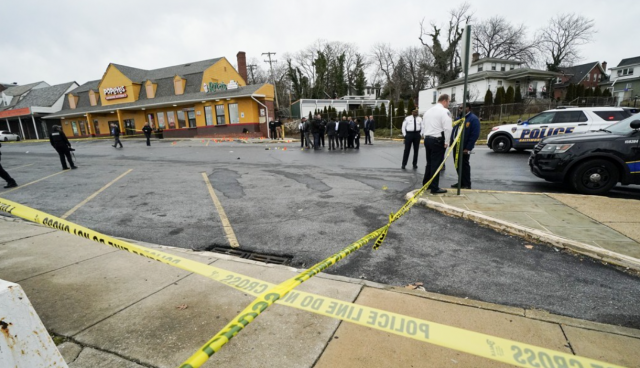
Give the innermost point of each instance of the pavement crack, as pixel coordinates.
(83, 346)
(567, 339)
(65, 266)
(27, 237)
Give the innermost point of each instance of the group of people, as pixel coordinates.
(275, 129)
(343, 134)
(436, 127)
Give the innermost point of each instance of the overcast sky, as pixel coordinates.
(61, 41)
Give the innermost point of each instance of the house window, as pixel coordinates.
(161, 120)
(493, 66)
(630, 71)
(627, 86)
(435, 97)
(559, 80)
(499, 83)
(512, 66)
(181, 120)
(234, 118)
(220, 115)
(171, 119)
(208, 115)
(588, 77)
(620, 73)
(503, 67)
(480, 67)
(453, 94)
(625, 71)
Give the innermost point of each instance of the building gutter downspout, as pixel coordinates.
(267, 112)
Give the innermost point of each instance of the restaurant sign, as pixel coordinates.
(115, 93)
(214, 87)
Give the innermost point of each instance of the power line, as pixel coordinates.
(273, 77)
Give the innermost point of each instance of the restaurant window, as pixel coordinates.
(191, 116)
(83, 129)
(220, 115)
(74, 127)
(161, 123)
(130, 126)
(171, 119)
(151, 120)
(208, 115)
(181, 121)
(96, 126)
(234, 118)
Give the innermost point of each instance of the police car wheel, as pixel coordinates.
(594, 177)
(18, 139)
(501, 144)
(6, 139)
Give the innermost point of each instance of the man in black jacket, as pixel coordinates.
(343, 132)
(147, 133)
(115, 131)
(272, 129)
(11, 183)
(369, 128)
(316, 129)
(332, 134)
(61, 144)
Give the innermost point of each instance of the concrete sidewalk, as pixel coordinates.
(110, 308)
(604, 228)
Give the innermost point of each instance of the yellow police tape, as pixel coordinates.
(483, 345)
(267, 298)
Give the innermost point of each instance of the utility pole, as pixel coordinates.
(251, 68)
(273, 76)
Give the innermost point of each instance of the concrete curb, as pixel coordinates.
(535, 235)
(536, 314)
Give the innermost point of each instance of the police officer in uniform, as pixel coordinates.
(411, 128)
(471, 134)
(147, 132)
(272, 129)
(11, 183)
(436, 132)
(61, 144)
(115, 131)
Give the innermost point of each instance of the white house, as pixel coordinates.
(490, 74)
(624, 82)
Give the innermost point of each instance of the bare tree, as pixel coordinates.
(560, 39)
(446, 60)
(415, 74)
(256, 73)
(497, 38)
(386, 60)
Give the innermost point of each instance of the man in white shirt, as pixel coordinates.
(411, 128)
(436, 132)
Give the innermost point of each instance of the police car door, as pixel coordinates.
(568, 122)
(527, 135)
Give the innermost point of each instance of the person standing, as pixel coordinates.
(61, 144)
(301, 128)
(316, 128)
(307, 131)
(352, 131)
(356, 134)
(367, 137)
(436, 132)
(279, 128)
(146, 129)
(471, 134)
(323, 130)
(115, 131)
(343, 132)
(272, 129)
(411, 128)
(11, 183)
(372, 129)
(331, 134)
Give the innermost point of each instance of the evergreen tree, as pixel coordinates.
(325, 113)
(510, 97)
(400, 109)
(411, 107)
(588, 92)
(488, 98)
(500, 96)
(571, 93)
(310, 116)
(597, 92)
(579, 90)
(518, 95)
(606, 93)
(383, 116)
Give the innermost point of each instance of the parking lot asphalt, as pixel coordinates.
(307, 205)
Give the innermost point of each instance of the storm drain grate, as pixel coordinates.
(266, 258)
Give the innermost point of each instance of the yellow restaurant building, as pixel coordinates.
(208, 98)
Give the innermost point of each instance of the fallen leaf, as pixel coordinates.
(411, 287)
(182, 307)
(528, 246)
(419, 283)
(385, 187)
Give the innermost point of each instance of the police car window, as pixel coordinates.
(612, 115)
(544, 118)
(569, 117)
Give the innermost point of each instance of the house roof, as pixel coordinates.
(159, 100)
(629, 61)
(140, 75)
(508, 75)
(90, 85)
(18, 90)
(577, 73)
(44, 97)
(496, 60)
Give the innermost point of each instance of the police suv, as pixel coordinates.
(594, 162)
(527, 134)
